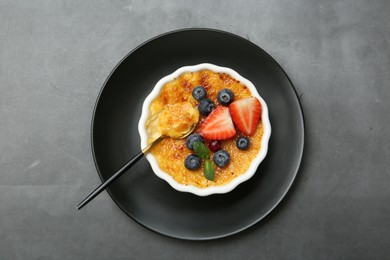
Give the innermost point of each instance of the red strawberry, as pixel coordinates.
(246, 114)
(218, 125)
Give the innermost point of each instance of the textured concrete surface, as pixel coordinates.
(54, 57)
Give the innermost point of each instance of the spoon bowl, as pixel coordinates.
(161, 137)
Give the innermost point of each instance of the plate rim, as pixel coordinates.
(302, 147)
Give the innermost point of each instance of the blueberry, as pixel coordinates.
(193, 138)
(225, 96)
(221, 158)
(243, 143)
(199, 93)
(205, 106)
(192, 162)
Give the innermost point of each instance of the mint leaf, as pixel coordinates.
(208, 170)
(201, 150)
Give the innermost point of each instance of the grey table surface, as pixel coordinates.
(55, 56)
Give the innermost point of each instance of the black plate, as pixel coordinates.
(149, 200)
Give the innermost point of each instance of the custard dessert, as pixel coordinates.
(228, 131)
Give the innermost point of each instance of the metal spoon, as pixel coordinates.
(127, 166)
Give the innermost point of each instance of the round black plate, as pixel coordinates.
(150, 201)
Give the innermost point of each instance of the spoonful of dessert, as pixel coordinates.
(175, 121)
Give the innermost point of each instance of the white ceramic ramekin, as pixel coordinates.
(214, 189)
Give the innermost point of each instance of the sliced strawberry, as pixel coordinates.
(246, 114)
(218, 125)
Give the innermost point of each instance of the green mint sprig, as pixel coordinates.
(203, 152)
(208, 170)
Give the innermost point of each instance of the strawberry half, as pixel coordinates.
(218, 125)
(246, 114)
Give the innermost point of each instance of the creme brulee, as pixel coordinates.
(173, 109)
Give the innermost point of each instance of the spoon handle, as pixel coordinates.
(116, 175)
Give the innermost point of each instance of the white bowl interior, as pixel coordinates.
(213, 189)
